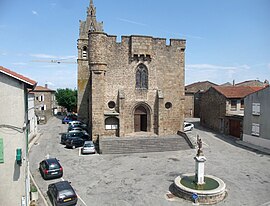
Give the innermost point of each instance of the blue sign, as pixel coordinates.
(195, 196)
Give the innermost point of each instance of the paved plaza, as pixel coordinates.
(145, 178)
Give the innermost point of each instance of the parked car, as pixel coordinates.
(66, 120)
(63, 138)
(69, 118)
(188, 126)
(76, 125)
(88, 148)
(76, 122)
(50, 168)
(74, 142)
(62, 194)
(78, 129)
(73, 134)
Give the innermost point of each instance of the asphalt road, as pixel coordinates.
(145, 178)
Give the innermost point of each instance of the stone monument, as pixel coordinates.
(198, 187)
(199, 163)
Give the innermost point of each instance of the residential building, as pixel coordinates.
(253, 83)
(132, 86)
(45, 103)
(256, 120)
(32, 116)
(222, 108)
(14, 131)
(193, 97)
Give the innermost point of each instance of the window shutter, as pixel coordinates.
(1, 151)
(255, 129)
(256, 107)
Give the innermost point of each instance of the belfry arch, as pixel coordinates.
(142, 118)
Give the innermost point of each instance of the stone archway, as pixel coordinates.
(141, 119)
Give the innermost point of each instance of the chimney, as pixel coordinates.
(46, 85)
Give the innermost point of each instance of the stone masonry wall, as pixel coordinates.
(213, 109)
(165, 71)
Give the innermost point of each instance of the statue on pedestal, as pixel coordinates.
(199, 143)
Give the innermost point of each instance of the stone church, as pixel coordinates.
(130, 87)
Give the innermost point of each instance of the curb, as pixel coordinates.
(31, 143)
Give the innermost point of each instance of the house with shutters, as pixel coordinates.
(45, 103)
(14, 134)
(222, 108)
(256, 127)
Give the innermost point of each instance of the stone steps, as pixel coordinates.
(120, 145)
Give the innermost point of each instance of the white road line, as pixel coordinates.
(40, 193)
(81, 199)
(76, 194)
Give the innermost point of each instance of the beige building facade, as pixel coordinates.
(14, 136)
(136, 85)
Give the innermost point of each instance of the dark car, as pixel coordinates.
(62, 194)
(77, 125)
(74, 142)
(74, 134)
(50, 168)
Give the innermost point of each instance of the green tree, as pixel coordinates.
(67, 98)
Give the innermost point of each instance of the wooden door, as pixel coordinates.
(137, 122)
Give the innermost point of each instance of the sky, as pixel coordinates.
(226, 40)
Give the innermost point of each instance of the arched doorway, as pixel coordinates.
(140, 119)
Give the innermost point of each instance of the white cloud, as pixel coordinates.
(131, 22)
(49, 56)
(53, 4)
(3, 53)
(50, 83)
(19, 63)
(34, 12)
(217, 73)
(212, 67)
(44, 56)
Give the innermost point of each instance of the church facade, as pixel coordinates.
(129, 87)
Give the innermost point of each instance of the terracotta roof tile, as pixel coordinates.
(42, 89)
(236, 92)
(18, 76)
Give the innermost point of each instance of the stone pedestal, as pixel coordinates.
(199, 169)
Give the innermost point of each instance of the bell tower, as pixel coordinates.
(83, 83)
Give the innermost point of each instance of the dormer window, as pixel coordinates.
(141, 77)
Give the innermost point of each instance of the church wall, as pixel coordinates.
(166, 72)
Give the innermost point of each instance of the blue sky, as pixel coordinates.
(226, 39)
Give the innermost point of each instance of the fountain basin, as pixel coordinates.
(212, 192)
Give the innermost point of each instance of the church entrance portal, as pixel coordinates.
(140, 119)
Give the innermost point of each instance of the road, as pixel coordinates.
(145, 178)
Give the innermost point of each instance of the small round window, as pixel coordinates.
(111, 104)
(168, 105)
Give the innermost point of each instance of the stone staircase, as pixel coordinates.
(124, 145)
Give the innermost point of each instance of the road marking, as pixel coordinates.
(40, 193)
(76, 194)
(81, 199)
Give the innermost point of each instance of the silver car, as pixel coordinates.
(88, 148)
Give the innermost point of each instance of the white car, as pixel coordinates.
(188, 126)
(88, 148)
